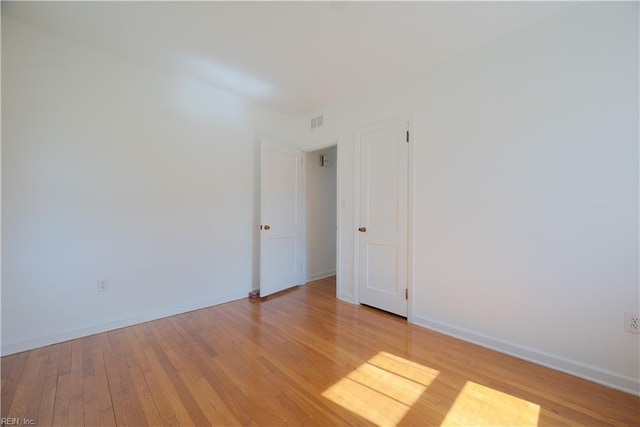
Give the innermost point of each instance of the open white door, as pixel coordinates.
(280, 218)
(383, 245)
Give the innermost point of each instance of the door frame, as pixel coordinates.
(408, 119)
(305, 261)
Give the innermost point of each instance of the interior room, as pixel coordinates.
(435, 206)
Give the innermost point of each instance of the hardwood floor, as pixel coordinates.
(301, 358)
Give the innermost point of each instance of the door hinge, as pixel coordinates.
(406, 293)
(407, 136)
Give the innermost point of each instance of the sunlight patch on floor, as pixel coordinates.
(382, 389)
(480, 405)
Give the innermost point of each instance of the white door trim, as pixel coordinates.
(410, 207)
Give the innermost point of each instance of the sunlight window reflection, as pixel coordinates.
(382, 389)
(480, 405)
(229, 78)
(204, 103)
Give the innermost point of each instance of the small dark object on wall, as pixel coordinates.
(254, 294)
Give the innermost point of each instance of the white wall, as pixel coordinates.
(115, 171)
(321, 214)
(525, 154)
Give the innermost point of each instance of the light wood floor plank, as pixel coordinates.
(44, 415)
(301, 357)
(14, 377)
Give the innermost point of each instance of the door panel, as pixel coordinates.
(383, 247)
(280, 218)
(383, 263)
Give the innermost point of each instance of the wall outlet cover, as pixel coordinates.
(632, 323)
(103, 285)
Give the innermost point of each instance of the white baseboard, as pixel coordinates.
(30, 344)
(610, 379)
(347, 298)
(318, 276)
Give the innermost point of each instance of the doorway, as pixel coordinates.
(321, 188)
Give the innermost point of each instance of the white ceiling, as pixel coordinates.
(295, 57)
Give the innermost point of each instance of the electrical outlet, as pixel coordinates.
(103, 285)
(632, 323)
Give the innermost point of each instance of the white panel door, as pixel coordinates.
(383, 227)
(280, 218)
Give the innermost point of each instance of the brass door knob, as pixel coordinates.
(266, 227)
(362, 229)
